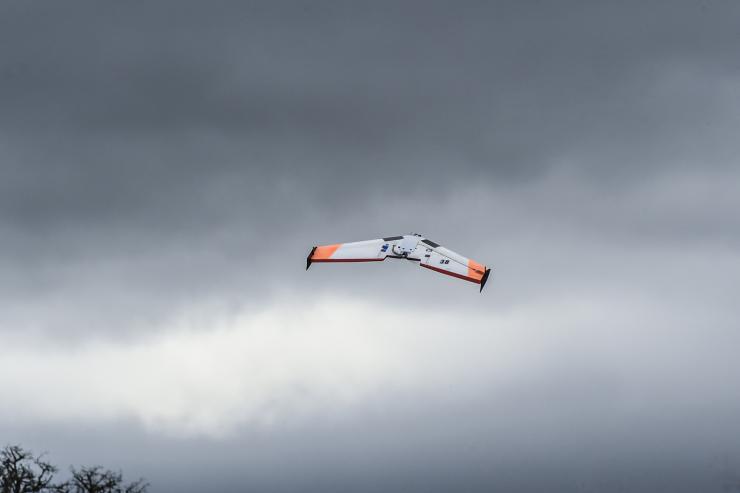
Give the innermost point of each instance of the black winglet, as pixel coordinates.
(484, 279)
(308, 259)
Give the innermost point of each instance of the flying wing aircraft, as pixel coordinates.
(412, 247)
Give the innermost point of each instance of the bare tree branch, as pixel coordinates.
(23, 472)
(95, 479)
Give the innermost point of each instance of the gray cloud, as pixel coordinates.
(159, 158)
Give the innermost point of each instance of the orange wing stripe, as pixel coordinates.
(325, 252)
(476, 270)
(450, 273)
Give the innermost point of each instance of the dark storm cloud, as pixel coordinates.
(119, 106)
(150, 151)
(138, 121)
(499, 88)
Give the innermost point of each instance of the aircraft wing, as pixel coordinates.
(445, 261)
(358, 251)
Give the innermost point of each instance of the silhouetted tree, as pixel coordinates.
(22, 472)
(95, 479)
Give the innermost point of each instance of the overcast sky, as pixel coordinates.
(165, 168)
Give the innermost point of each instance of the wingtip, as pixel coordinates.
(484, 279)
(308, 259)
